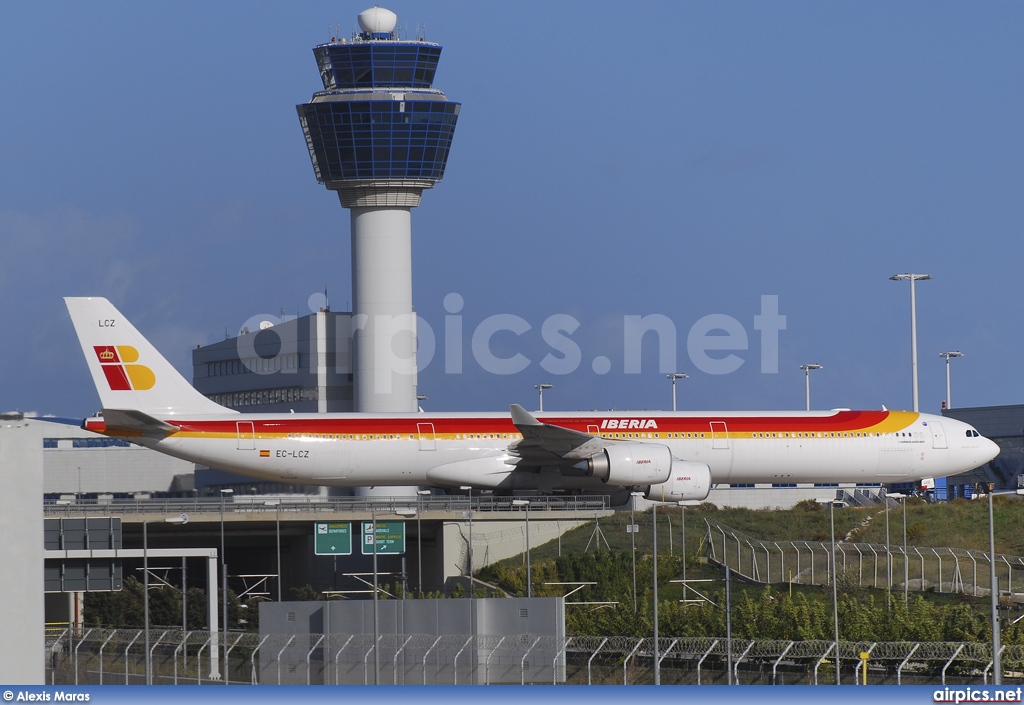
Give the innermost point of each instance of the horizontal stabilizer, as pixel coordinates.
(135, 423)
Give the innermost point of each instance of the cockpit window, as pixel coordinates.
(971, 433)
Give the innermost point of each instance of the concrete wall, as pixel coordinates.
(494, 541)
(419, 641)
(22, 658)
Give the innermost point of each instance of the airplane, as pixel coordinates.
(668, 456)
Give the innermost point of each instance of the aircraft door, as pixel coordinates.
(426, 434)
(246, 435)
(719, 435)
(938, 434)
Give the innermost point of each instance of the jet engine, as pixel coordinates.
(630, 464)
(689, 480)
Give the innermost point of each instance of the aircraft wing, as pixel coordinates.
(544, 444)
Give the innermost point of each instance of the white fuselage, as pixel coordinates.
(453, 449)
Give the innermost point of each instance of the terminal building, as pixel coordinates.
(303, 365)
(1005, 426)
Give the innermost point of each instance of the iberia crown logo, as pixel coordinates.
(122, 375)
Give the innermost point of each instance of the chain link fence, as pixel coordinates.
(949, 570)
(118, 656)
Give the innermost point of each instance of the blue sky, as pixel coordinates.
(677, 159)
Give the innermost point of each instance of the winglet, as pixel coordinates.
(521, 417)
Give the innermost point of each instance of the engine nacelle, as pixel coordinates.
(689, 480)
(631, 464)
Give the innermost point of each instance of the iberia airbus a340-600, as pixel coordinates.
(670, 456)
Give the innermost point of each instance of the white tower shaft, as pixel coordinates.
(384, 325)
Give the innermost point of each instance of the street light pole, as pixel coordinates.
(276, 503)
(906, 562)
(540, 390)
(419, 534)
(683, 504)
(529, 567)
(888, 559)
(469, 559)
(674, 376)
(224, 584)
(997, 666)
(632, 535)
(376, 628)
(835, 588)
(807, 379)
(913, 322)
(947, 355)
(184, 610)
(469, 549)
(145, 588)
(906, 567)
(145, 599)
(728, 624)
(654, 566)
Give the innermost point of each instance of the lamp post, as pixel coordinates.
(900, 497)
(224, 491)
(888, 558)
(807, 379)
(469, 560)
(728, 624)
(906, 563)
(540, 390)
(913, 322)
(529, 571)
(376, 627)
(405, 513)
(947, 355)
(183, 519)
(419, 534)
(632, 536)
(654, 567)
(834, 576)
(674, 376)
(184, 610)
(145, 599)
(469, 549)
(683, 504)
(997, 666)
(276, 503)
(835, 588)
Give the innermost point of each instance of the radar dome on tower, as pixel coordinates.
(377, 20)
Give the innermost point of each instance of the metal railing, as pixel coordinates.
(951, 570)
(117, 656)
(302, 503)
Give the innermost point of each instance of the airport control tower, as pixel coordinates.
(379, 134)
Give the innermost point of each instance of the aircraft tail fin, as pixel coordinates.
(129, 373)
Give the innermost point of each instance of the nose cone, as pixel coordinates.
(987, 450)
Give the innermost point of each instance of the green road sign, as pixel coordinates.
(390, 538)
(333, 538)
